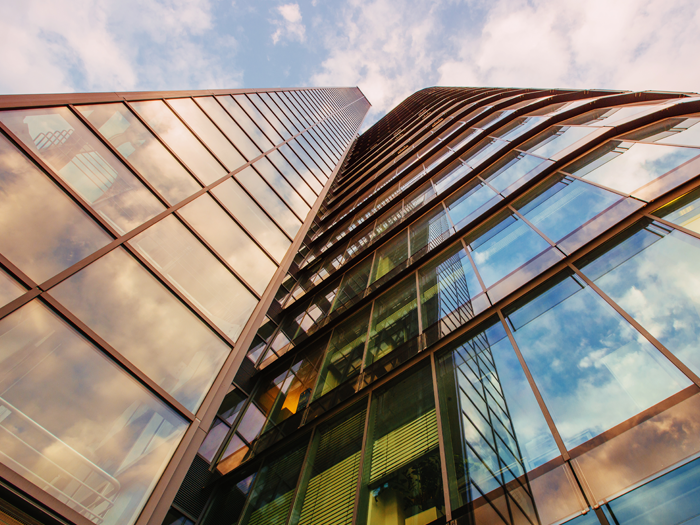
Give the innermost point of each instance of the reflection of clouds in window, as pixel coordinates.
(592, 368)
(74, 423)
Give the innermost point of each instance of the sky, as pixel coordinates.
(388, 48)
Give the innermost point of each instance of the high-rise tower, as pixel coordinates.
(487, 313)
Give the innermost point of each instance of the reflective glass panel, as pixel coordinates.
(394, 319)
(257, 117)
(510, 169)
(9, 288)
(230, 241)
(244, 122)
(187, 264)
(42, 231)
(292, 177)
(251, 423)
(249, 214)
(265, 168)
(556, 139)
(307, 160)
(651, 272)
(217, 434)
(503, 245)
(180, 139)
(681, 131)
(608, 372)
(491, 419)
(138, 145)
(273, 205)
(198, 121)
(470, 202)
(429, 231)
(627, 166)
(124, 304)
(561, 205)
(58, 137)
(683, 211)
(271, 117)
(390, 255)
(301, 168)
(517, 127)
(447, 285)
(343, 358)
(232, 130)
(354, 283)
(402, 477)
(75, 424)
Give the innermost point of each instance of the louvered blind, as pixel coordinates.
(330, 495)
(397, 448)
(274, 513)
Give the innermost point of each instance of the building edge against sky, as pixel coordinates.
(144, 236)
(482, 310)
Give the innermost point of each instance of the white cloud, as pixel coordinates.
(392, 48)
(290, 25)
(93, 45)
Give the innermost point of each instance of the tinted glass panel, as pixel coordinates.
(97, 440)
(254, 114)
(281, 186)
(42, 231)
(244, 121)
(232, 130)
(138, 145)
(58, 137)
(123, 303)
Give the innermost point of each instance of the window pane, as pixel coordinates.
(266, 232)
(608, 372)
(97, 440)
(513, 167)
(429, 231)
(652, 273)
(292, 176)
(229, 127)
(327, 491)
(390, 256)
(251, 423)
(262, 193)
(502, 246)
(344, 356)
(561, 205)
(490, 415)
(180, 139)
(403, 445)
(281, 186)
(58, 137)
(307, 160)
(627, 166)
(556, 139)
(257, 117)
(42, 231)
(448, 284)
(272, 119)
(232, 243)
(123, 303)
(231, 406)
(274, 107)
(681, 131)
(354, 283)
(197, 120)
(9, 288)
(133, 140)
(469, 202)
(482, 151)
(394, 320)
(234, 454)
(244, 121)
(217, 434)
(301, 168)
(187, 264)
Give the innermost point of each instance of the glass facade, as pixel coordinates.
(141, 235)
(495, 316)
(482, 310)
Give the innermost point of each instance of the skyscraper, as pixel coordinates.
(487, 312)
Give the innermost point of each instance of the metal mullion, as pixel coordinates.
(540, 400)
(471, 260)
(240, 225)
(302, 470)
(327, 133)
(177, 293)
(535, 228)
(312, 103)
(163, 143)
(290, 131)
(16, 273)
(18, 303)
(217, 255)
(322, 153)
(322, 169)
(193, 99)
(202, 142)
(119, 156)
(255, 123)
(302, 104)
(48, 171)
(606, 188)
(302, 160)
(418, 306)
(325, 140)
(293, 121)
(286, 100)
(115, 355)
(289, 206)
(297, 172)
(367, 337)
(669, 224)
(262, 153)
(661, 348)
(363, 451)
(288, 181)
(311, 145)
(267, 117)
(441, 442)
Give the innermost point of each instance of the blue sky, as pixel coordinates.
(389, 48)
